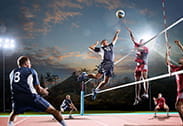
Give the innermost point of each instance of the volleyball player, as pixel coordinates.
(25, 88)
(106, 67)
(179, 81)
(141, 70)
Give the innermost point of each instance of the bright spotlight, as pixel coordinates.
(5, 46)
(7, 43)
(7, 40)
(1, 43)
(146, 37)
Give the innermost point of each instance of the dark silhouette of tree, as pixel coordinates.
(83, 70)
(51, 78)
(55, 78)
(42, 81)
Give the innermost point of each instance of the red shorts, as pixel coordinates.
(140, 68)
(161, 106)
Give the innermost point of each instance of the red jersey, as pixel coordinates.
(179, 79)
(141, 54)
(160, 102)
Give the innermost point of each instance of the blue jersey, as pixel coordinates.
(23, 80)
(66, 103)
(106, 53)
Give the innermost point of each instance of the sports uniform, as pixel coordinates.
(160, 102)
(66, 105)
(141, 59)
(179, 81)
(107, 64)
(24, 95)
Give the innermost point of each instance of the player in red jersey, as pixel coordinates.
(160, 103)
(179, 81)
(141, 70)
(179, 44)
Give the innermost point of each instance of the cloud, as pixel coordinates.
(27, 13)
(65, 4)
(38, 18)
(58, 16)
(125, 21)
(114, 4)
(146, 11)
(74, 25)
(87, 2)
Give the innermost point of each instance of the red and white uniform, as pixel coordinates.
(141, 58)
(179, 81)
(160, 102)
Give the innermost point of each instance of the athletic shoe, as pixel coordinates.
(136, 102)
(83, 76)
(145, 95)
(11, 124)
(70, 117)
(94, 93)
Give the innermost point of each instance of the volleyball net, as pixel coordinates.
(83, 95)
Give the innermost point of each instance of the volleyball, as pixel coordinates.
(120, 13)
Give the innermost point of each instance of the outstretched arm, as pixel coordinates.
(167, 59)
(92, 47)
(116, 36)
(178, 43)
(131, 36)
(155, 101)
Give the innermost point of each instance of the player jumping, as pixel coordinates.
(25, 87)
(179, 81)
(141, 70)
(106, 52)
(178, 43)
(160, 104)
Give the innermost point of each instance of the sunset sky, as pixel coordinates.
(56, 34)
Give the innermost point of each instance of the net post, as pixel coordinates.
(82, 98)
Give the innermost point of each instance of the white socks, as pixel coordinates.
(10, 123)
(63, 123)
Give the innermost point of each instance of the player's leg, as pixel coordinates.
(41, 104)
(137, 76)
(70, 112)
(179, 107)
(95, 76)
(156, 110)
(56, 114)
(84, 76)
(12, 118)
(107, 70)
(146, 84)
(167, 109)
(102, 83)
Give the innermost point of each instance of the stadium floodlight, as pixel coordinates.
(7, 43)
(0, 42)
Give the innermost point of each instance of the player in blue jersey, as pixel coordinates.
(106, 67)
(68, 105)
(25, 89)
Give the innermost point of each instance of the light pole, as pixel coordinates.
(5, 44)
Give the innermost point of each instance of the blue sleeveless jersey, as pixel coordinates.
(106, 52)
